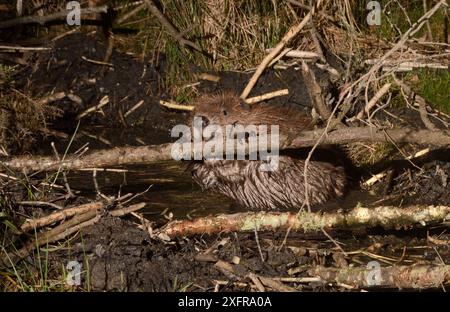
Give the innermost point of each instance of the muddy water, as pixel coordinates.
(171, 189)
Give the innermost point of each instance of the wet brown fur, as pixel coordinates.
(243, 181)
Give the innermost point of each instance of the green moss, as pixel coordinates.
(433, 86)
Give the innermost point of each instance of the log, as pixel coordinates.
(153, 153)
(387, 217)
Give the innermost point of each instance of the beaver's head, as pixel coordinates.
(228, 109)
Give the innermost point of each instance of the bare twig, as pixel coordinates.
(373, 101)
(97, 62)
(39, 203)
(298, 54)
(18, 48)
(292, 32)
(37, 19)
(59, 96)
(136, 106)
(173, 105)
(66, 183)
(315, 92)
(103, 102)
(267, 96)
(128, 15)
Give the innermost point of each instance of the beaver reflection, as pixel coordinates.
(243, 181)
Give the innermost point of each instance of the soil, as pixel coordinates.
(122, 257)
(128, 81)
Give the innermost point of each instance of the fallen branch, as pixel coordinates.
(416, 276)
(388, 217)
(65, 229)
(55, 234)
(369, 134)
(315, 92)
(42, 20)
(60, 215)
(238, 272)
(400, 66)
(152, 153)
(292, 32)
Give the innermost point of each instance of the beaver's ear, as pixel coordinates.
(245, 106)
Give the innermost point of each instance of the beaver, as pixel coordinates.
(243, 180)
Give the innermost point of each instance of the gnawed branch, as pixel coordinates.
(387, 217)
(153, 153)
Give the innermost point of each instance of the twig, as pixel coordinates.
(127, 210)
(298, 54)
(39, 203)
(292, 32)
(66, 183)
(267, 96)
(57, 233)
(314, 36)
(103, 102)
(18, 48)
(109, 51)
(59, 215)
(128, 15)
(373, 101)
(334, 242)
(315, 92)
(430, 33)
(173, 105)
(135, 107)
(97, 62)
(59, 96)
(37, 19)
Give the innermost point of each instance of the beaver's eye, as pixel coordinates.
(224, 112)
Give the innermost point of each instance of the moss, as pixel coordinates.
(433, 86)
